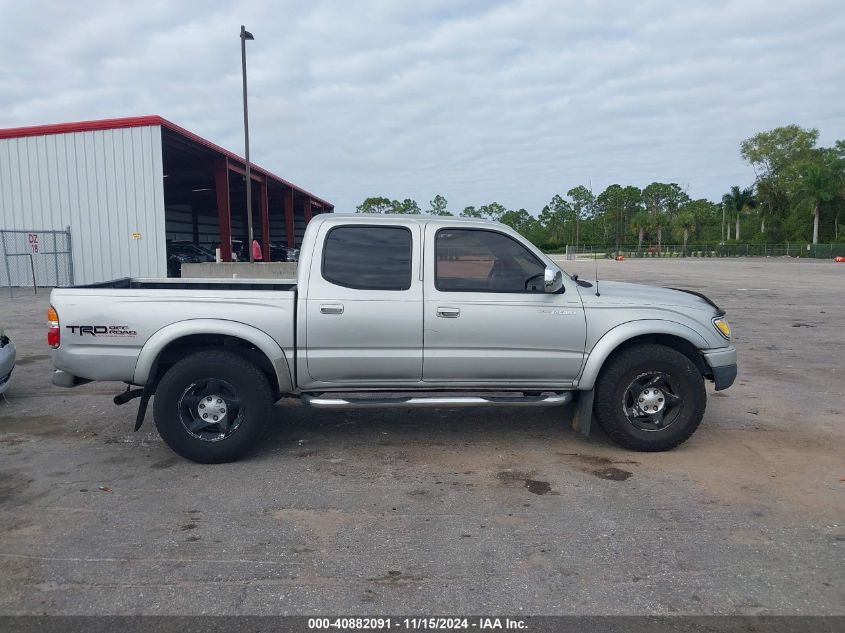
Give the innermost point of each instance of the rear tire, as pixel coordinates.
(649, 398)
(210, 407)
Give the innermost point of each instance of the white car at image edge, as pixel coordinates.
(7, 361)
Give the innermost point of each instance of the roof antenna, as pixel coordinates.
(596, 262)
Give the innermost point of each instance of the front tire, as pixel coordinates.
(210, 406)
(649, 398)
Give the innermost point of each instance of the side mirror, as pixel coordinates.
(553, 279)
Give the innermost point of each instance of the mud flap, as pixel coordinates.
(142, 408)
(149, 390)
(583, 417)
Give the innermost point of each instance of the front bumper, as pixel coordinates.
(724, 376)
(7, 363)
(5, 379)
(722, 363)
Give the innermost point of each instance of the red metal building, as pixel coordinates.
(148, 169)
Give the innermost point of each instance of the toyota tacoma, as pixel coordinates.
(396, 311)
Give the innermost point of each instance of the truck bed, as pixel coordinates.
(104, 326)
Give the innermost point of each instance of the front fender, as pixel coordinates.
(625, 332)
(173, 332)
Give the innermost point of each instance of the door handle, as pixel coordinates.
(448, 313)
(331, 308)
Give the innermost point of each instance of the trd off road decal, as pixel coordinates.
(102, 330)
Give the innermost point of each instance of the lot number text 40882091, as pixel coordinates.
(417, 623)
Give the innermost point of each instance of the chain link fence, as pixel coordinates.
(35, 259)
(813, 251)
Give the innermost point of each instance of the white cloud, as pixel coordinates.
(479, 101)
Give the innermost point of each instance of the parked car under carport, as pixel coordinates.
(282, 253)
(179, 253)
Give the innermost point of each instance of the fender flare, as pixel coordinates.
(625, 332)
(170, 333)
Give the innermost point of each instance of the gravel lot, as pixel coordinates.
(453, 512)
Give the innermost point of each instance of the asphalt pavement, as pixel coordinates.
(448, 511)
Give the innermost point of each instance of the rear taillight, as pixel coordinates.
(54, 336)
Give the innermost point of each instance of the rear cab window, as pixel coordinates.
(368, 257)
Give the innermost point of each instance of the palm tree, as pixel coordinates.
(657, 222)
(640, 222)
(766, 191)
(816, 184)
(685, 221)
(739, 201)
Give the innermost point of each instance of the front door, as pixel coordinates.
(487, 318)
(364, 306)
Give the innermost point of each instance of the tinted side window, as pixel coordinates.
(473, 260)
(368, 257)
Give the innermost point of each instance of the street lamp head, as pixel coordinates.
(246, 34)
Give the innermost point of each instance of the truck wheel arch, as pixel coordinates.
(196, 334)
(670, 333)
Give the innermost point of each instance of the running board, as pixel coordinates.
(549, 399)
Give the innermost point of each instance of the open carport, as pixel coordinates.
(205, 197)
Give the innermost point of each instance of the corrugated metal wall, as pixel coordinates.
(106, 185)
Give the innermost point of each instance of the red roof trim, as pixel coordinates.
(80, 126)
(141, 121)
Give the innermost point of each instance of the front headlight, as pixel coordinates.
(721, 324)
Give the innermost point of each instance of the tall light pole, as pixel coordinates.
(246, 35)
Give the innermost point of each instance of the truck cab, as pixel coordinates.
(409, 303)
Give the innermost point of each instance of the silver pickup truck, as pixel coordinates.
(396, 311)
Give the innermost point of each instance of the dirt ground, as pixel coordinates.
(449, 511)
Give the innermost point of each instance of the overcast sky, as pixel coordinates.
(476, 100)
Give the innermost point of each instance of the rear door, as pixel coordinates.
(487, 317)
(364, 307)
